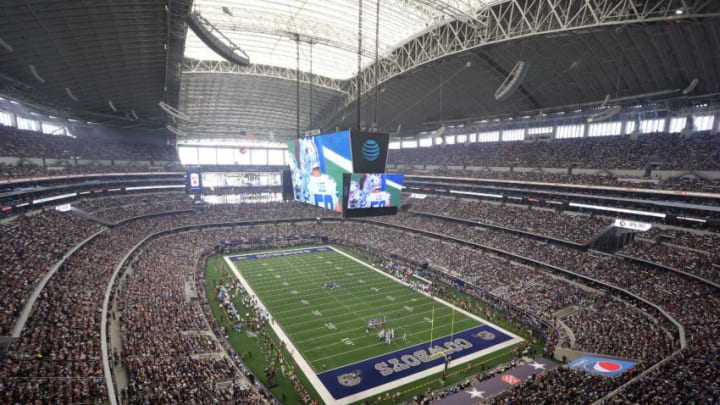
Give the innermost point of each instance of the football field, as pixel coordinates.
(335, 312)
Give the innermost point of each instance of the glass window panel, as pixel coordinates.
(258, 157)
(473, 137)
(51, 129)
(491, 136)
(462, 138)
(604, 128)
(677, 124)
(276, 157)
(6, 118)
(703, 122)
(28, 125)
(394, 145)
(207, 156)
(652, 125)
(224, 156)
(188, 155)
(450, 139)
(539, 130)
(425, 142)
(410, 144)
(629, 127)
(513, 135)
(569, 131)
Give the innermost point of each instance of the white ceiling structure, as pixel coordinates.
(266, 29)
(438, 60)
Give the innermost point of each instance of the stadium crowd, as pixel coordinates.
(682, 182)
(29, 246)
(638, 336)
(117, 208)
(41, 155)
(57, 355)
(574, 228)
(671, 151)
(169, 351)
(30, 144)
(61, 337)
(29, 170)
(689, 251)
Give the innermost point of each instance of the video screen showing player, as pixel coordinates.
(316, 188)
(374, 193)
(356, 196)
(297, 179)
(374, 190)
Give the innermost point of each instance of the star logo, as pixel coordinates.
(474, 393)
(536, 366)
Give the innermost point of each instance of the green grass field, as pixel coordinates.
(328, 326)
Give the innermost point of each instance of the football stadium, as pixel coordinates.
(446, 202)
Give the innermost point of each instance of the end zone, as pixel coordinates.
(359, 380)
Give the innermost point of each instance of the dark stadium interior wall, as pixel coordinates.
(123, 135)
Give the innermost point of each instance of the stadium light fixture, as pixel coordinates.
(689, 89)
(36, 74)
(176, 131)
(512, 81)
(70, 94)
(6, 45)
(174, 112)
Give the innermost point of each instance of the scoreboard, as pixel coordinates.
(319, 165)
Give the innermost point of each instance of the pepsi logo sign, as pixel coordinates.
(601, 366)
(607, 367)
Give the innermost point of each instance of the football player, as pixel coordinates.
(375, 197)
(356, 197)
(298, 180)
(321, 189)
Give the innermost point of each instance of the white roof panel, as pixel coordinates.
(265, 29)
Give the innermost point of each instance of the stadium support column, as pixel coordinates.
(359, 63)
(297, 85)
(666, 126)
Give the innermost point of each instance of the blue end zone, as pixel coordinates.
(283, 253)
(357, 377)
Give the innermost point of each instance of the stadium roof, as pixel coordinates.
(267, 30)
(105, 62)
(445, 62)
(439, 60)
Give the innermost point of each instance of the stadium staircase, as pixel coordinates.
(86, 215)
(563, 312)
